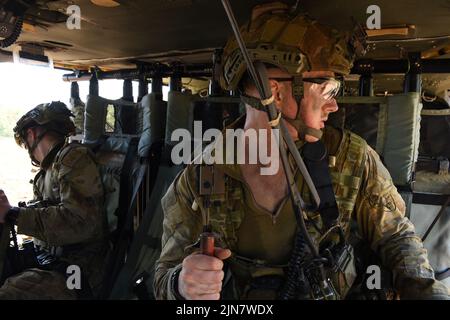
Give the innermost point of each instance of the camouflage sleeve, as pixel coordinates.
(37, 180)
(380, 214)
(79, 215)
(181, 228)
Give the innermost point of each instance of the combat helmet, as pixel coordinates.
(295, 43)
(291, 41)
(53, 117)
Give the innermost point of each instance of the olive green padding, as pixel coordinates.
(402, 136)
(110, 156)
(180, 114)
(110, 159)
(95, 116)
(154, 112)
(431, 182)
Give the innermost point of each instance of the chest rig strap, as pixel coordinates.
(315, 156)
(221, 198)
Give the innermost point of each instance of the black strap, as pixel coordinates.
(125, 236)
(316, 160)
(440, 213)
(125, 221)
(443, 275)
(253, 102)
(141, 238)
(125, 182)
(142, 170)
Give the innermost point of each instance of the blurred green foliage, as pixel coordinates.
(8, 119)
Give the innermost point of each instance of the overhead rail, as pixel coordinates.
(361, 67)
(145, 71)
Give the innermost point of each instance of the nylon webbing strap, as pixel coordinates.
(125, 221)
(443, 275)
(435, 112)
(316, 160)
(124, 181)
(297, 89)
(254, 102)
(122, 244)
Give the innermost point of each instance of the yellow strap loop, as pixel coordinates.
(266, 102)
(276, 121)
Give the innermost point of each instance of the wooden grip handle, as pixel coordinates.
(207, 243)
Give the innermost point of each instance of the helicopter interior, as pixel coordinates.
(397, 97)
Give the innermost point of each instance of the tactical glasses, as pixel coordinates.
(329, 86)
(20, 141)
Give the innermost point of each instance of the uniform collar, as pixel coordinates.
(48, 160)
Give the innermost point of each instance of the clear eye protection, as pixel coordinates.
(329, 87)
(19, 140)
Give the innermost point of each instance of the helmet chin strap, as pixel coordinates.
(33, 147)
(297, 122)
(303, 129)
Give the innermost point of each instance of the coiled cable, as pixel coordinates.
(14, 35)
(296, 282)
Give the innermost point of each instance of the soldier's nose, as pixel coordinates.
(331, 106)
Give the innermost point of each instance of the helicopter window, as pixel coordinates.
(110, 123)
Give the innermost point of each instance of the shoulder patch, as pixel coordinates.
(71, 154)
(351, 155)
(357, 142)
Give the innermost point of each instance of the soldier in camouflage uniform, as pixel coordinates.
(254, 217)
(67, 220)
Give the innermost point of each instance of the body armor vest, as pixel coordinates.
(228, 212)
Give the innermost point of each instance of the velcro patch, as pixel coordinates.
(70, 155)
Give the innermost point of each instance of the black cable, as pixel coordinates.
(14, 35)
(440, 213)
(296, 283)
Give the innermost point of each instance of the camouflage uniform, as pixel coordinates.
(371, 210)
(71, 228)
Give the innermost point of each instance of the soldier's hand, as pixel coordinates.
(201, 276)
(4, 206)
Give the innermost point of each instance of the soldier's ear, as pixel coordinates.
(276, 92)
(276, 89)
(31, 134)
